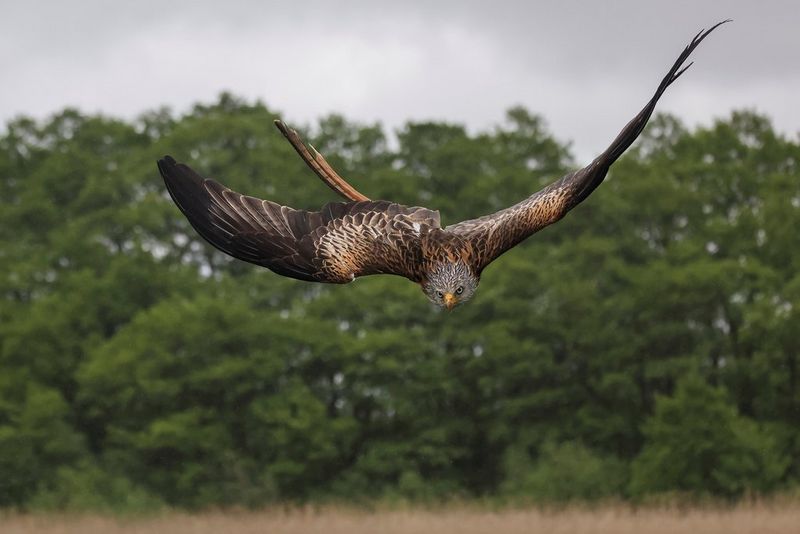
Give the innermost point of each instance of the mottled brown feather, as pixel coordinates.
(336, 244)
(494, 234)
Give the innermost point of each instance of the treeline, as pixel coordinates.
(646, 344)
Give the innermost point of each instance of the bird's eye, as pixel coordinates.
(459, 290)
(441, 295)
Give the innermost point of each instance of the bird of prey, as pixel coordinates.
(359, 237)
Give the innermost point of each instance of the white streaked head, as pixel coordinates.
(450, 284)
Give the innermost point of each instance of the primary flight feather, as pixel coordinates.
(344, 240)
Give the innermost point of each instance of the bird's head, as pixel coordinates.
(450, 284)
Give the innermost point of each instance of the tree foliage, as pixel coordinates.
(647, 343)
(696, 442)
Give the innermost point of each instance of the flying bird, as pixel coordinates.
(359, 237)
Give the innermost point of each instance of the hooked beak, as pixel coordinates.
(450, 301)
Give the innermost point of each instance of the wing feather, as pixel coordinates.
(341, 241)
(494, 234)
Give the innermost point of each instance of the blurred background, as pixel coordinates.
(646, 346)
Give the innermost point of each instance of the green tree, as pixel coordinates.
(140, 366)
(566, 472)
(696, 442)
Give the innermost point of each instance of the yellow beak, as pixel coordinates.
(450, 301)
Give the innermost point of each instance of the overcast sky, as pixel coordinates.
(587, 67)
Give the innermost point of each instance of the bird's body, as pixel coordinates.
(345, 240)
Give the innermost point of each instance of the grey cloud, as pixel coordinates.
(585, 66)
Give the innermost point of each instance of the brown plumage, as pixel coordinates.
(344, 240)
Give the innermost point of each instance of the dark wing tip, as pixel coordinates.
(184, 186)
(169, 169)
(165, 163)
(676, 69)
(173, 171)
(704, 33)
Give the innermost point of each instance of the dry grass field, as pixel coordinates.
(617, 519)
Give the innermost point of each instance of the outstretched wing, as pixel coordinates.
(336, 244)
(494, 234)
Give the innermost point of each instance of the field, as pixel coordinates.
(618, 519)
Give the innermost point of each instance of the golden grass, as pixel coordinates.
(761, 518)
